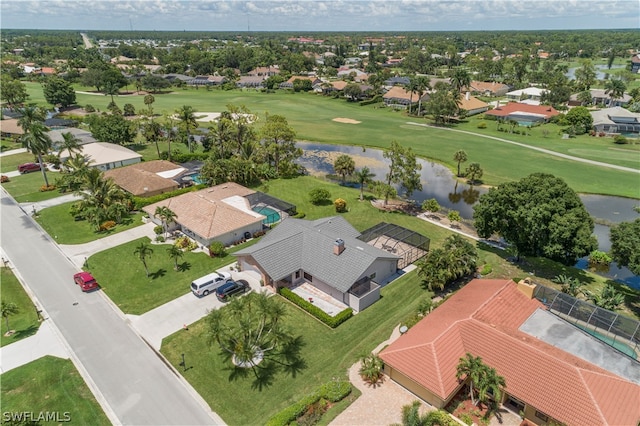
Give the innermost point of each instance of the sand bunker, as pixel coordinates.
(207, 117)
(346, 120)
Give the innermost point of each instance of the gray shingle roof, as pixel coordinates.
(308, 245)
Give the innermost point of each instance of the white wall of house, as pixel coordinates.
(358, 304)
(233, 236)
(381, 269)
(116, 164)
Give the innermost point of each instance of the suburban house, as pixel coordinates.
(530, 95)
(207, 80)
(616, 120)
(10, 127)
(399, 98)
(523, 113)
(255, 81)
(599, 97)
(289, 83)
(472, 105)
(264, 71)
(105, 156)
(484, 88)
(635, 63)
(324, 253)
(83, 136)
(555, 373)
(220, 213)
(147, 178)
(177, 77)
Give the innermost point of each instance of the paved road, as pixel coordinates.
(535, 148)
(138, 387)
(87, 42)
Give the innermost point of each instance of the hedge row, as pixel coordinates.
(376, 99)
(184, 157)
(332, 322)
(333, 391)
(140, 202)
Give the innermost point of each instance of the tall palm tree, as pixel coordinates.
(422, 85)
(7, 309)
(471, 368)
(30, 114)
(37, 141)
(460, 156)
(98, 196)
(167, 216)
(143, 251)
(111, 88)
(364, 176)
(460, 78)
(615, 89)
(187, 117)
(175, 253)
(70, 143)
(490, 386)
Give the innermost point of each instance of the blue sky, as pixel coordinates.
(306, 15)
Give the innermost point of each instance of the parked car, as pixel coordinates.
(209, 283)
(86, 281)
(29, 167)
(231, 288)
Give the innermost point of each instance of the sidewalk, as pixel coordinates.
(13, 151)
(44, 342)
(78, 253)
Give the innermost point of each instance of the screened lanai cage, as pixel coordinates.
(403, 242)
(273, 208)
(618, 331)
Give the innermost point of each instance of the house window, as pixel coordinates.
(372, 276)
(308, 277)
(297, 274)
(542, 416)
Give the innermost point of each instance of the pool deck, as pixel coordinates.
(322, 300)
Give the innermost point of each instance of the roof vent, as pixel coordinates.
(338, 247)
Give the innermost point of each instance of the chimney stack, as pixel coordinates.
(338, 247)
(468, 96)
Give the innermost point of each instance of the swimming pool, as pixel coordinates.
(272, 215)
(622, 347)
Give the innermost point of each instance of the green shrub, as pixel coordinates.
(319, 195)
(341, 205)
(299, 215)
(89, 108)
(332, 322)
(105, 226)
(158, 229)
(621, 140)
(333, 391)
(466, 418)
(160, 238)
(486, 270)
(183, 157)
(482, 125)
(376, 99)
(599, 257)
(186, 243)
(216, 249)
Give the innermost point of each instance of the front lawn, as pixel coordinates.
(10, 163)
(26, 188)
(54, 386)
(328, 353)
(25, 322)
(122, 276)
(62, 227)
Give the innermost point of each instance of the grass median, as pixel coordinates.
(53, 387)
(25, 322)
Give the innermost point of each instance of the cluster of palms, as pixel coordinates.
(143, 252)
(608, 298)
(484, 381)
(456, 259)
(35, 138)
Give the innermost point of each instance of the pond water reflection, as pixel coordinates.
(438, 182)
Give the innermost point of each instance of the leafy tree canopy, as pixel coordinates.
(625, 245)
(539, 215)
(59, 91)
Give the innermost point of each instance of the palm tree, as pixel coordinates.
(371, 368)
(70, 143)
(460, 79)
(98, 195)
(186, 115)
(111, 88)
(37, 141)
(175, 253)
(143, 251)
(615, 89)
(148, 101)
(364, 176)
(411, 415)
(167, 216)
(7, 309)
(344, 165)
(460, 156)
(471, 368)
(490, 386)
(29, 115)
(422, 85)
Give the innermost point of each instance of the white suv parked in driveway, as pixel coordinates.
(209, 283)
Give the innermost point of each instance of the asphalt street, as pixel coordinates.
(134, 382)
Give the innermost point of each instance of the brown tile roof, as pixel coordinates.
(483, 318)
(142, 178)
(488, 86)
(397, 92)
(11, 126)
(513, 107)
(472, 103)
(204, 212)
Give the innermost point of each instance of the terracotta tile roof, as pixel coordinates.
(205, 213)
(142, 178)
(515, 107)
(491, 86)
(11, 126)
(397, 92)
(483, 319)
(472, 103)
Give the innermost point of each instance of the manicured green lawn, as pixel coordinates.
(59, 223)
(9, 163)
(328, 354)
(26, 188)
(25, 322)
(122, 276)
(311, 116)
(51, 385)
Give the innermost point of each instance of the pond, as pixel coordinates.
(601, 71)
(438, 182)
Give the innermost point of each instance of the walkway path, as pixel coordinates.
(44, 342)
(535, 148)
(13, 151)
